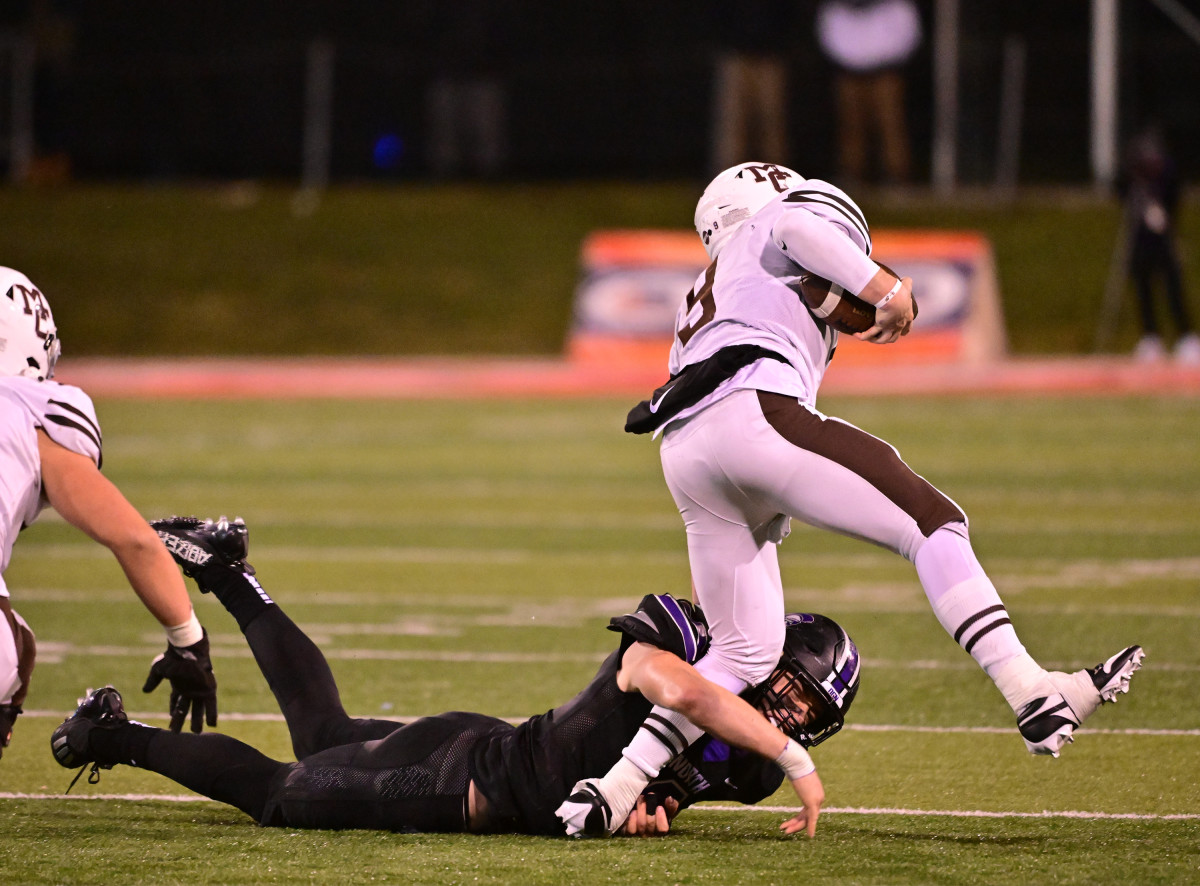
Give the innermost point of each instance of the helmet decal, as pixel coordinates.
(29, 344)
(737, 194)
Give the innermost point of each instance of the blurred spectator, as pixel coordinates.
(870, 41)
(1149, 187)
(51, 27)
(750, 107)
(466, 101)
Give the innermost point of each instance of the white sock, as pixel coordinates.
(621, 786)
(970, 610)
(663, 736)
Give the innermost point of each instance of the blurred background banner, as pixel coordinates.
(958, 294)
(631, 284)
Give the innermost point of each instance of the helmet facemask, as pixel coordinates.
(810, 690)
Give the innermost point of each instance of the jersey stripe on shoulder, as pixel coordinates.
(77, 419)
(844, 207)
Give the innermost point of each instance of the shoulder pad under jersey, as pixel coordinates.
(670, 624)
(832, 204)
(70, 420)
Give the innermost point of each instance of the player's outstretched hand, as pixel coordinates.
(651, 817)
(812, 795)
(193, 686)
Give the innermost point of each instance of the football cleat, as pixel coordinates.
(585, 812)
(1111, 678)
(1047, 724)
(195, 543)
(71, 741)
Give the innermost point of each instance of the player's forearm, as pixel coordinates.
(676, 685)
(155, 579)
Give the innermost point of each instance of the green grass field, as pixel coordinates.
(467, 555)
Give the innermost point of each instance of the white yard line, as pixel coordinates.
(850, 727)
(784, 810)
(55, 652)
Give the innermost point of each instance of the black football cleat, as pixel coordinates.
(71, 741)
(196, 543)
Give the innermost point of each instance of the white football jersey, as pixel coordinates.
(751, 293)
(67, 416)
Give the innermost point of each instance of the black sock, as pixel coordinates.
(125, 744)
(218, 766)
(238, 592)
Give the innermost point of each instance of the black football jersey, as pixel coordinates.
(527, 772)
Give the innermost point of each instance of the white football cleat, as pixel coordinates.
(586, 812)
(1048, 723)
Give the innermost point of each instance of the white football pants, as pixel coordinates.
(734, 468)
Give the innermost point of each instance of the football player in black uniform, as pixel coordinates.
(469, 772)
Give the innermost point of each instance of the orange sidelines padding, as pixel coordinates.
(366, 378)
(642, 247)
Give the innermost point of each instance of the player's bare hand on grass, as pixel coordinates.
(812, 795)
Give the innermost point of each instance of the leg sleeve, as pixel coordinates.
(217, 766)
(303, 685)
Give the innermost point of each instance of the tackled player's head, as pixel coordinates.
(735, 195)
(29, 343)
(810, 690)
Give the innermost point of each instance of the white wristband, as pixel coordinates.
(185, 634)
(795, 761)
(891, 294)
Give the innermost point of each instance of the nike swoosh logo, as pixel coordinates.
(656, 401)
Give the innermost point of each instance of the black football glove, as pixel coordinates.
(193, 685)
(8, 715)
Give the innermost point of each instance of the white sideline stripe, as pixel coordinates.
(786, 810)
(850, 727)
(961, 813)
(52, 652)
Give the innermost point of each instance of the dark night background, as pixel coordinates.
(620, 88)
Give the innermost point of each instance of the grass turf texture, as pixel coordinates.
(468, 555)
(173, 270)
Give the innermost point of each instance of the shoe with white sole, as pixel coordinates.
(1048, 723)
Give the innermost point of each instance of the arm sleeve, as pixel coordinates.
(824, 247)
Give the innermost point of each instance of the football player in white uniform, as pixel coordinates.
(744, 451)
(50, 454)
